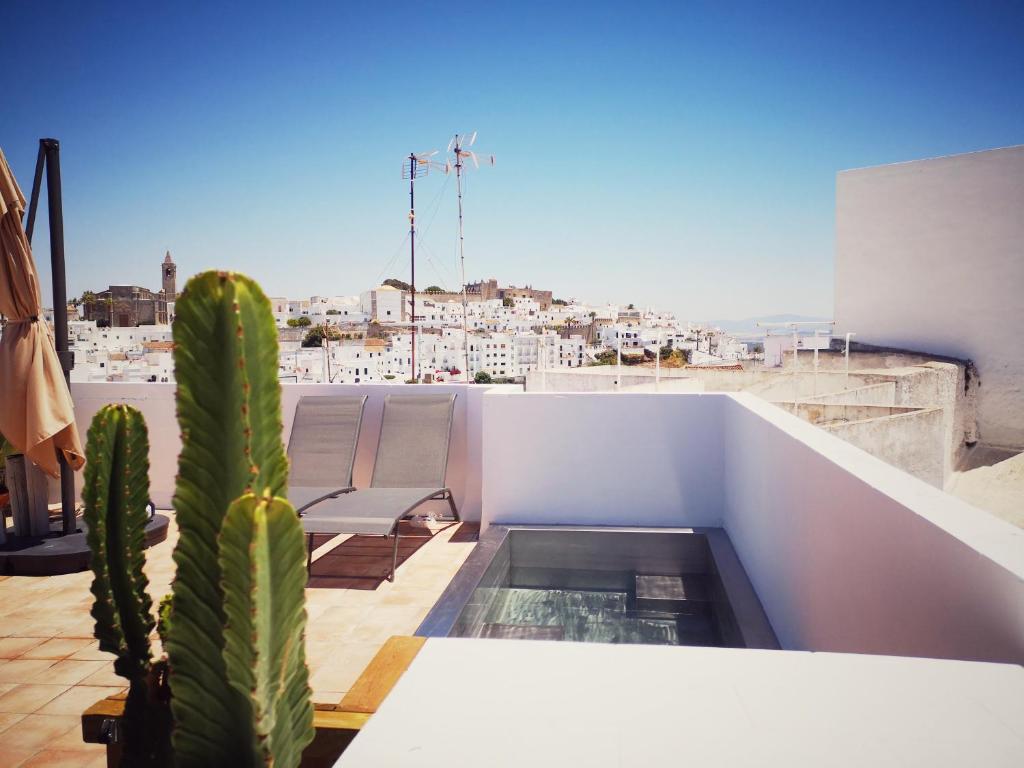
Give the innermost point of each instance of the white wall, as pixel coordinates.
(930, 257)
(156, 402)
(850, 554)
(846, 552)
(602, 459)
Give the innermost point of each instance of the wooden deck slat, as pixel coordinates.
(381, 674)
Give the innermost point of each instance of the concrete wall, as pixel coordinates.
(846, 552)
(930, 257)
(826, 413)
(871, 394)
(776, 386)
(911, 441)
(156, 402)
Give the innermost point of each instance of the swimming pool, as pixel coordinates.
(611, 585)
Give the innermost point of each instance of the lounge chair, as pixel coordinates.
(412, 457)
(322, 448)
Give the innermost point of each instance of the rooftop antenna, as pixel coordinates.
(458, 148)
(414, 167)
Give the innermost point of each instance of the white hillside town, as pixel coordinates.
(367, 338)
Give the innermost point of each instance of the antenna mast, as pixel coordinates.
(417, 167)
(457, 146)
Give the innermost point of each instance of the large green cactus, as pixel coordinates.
(115, 494)
(229, 411)
(262, 559)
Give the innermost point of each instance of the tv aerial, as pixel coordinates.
(416, 166)
(458, 153)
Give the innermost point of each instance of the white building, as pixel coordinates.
(930, 258)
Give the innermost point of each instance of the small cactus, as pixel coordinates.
(115, 495)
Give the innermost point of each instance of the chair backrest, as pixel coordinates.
(322, 448)
(413, 447)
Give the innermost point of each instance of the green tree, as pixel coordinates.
(299, 322)
(401, 285)
(333, 311)
(559, 302)
(482, 377)
(435, 289)
(315, 336)
(507, 302)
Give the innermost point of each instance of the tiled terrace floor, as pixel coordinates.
(51, 669)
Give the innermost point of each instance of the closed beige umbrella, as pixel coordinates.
(36, 412)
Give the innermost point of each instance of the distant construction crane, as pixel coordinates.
(458, 150)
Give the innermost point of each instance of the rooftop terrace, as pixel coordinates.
(847, 554)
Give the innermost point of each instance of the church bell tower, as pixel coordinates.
(169, 273)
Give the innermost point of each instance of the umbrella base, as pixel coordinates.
(55, 554)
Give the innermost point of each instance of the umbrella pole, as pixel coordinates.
(51, 147)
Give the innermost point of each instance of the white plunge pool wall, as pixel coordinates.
(603, 459)
(846, 552)
(156, 402)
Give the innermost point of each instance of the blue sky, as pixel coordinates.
(677, 155)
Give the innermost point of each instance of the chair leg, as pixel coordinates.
(451, 503)
(394, 554)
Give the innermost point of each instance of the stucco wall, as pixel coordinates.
(930, 257)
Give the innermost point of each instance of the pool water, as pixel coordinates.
(592, 585)
(591, 617)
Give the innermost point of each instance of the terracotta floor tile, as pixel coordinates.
(105, 675)
(46, 627)
(70, 671)
(27, 698)
(14, 758)
(75, 700)
(57, 648)
(22, 670)
(39, 730)
(73, 739)
(92, 652)
(13, 647)
(61, 758)
(7, 719)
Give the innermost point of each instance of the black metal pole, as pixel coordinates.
(60, 311)
(33, 205)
